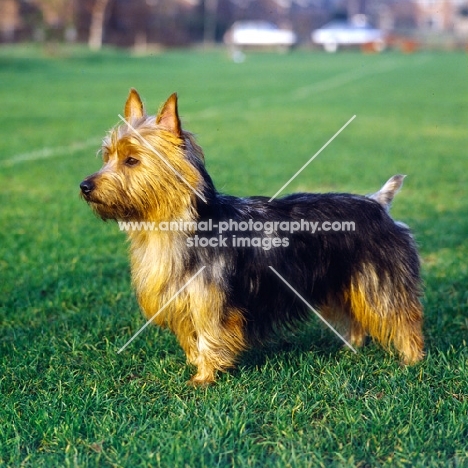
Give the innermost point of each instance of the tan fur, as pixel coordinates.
(389, 320)
(159, 187)
(153, 188)
(367, 308)
(210, 338)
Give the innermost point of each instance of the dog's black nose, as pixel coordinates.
(87, 186)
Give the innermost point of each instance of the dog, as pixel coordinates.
(225, 274)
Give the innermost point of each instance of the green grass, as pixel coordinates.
(68, 399)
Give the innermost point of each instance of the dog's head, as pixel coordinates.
(152, 170)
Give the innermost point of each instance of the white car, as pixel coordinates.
(340, 33)
(259, 34)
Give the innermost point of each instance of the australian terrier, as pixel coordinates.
(227, 273)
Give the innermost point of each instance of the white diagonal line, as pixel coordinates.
(161, 309)
(163, 159)
(49, 152)
(312, 158)
(312, 309)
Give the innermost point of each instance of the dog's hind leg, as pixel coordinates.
(408, 339)
(393, 316)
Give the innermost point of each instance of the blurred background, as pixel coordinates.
(146, 25)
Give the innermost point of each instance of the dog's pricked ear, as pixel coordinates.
(134, 106)
(168, 116)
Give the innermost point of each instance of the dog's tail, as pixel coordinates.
(385, 195)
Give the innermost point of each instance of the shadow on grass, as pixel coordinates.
(311, 337)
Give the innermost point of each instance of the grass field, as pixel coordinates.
(66, 306)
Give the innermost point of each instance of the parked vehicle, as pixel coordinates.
(259, 34)
(347, 33)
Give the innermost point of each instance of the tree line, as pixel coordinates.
(165, 22)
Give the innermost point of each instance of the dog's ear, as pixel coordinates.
(134, 106)
(168, 116)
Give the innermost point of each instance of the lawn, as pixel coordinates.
(66, 305)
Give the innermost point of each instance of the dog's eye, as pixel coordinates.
(131, 161)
